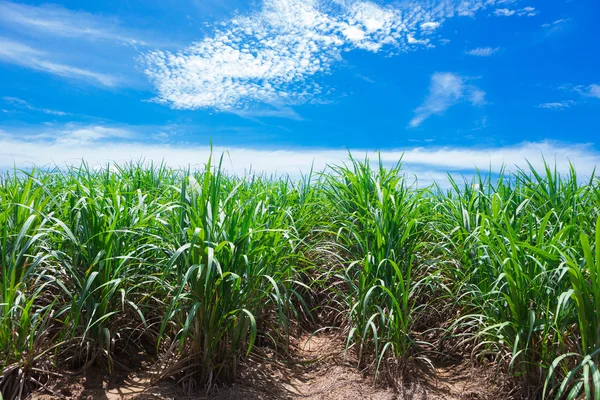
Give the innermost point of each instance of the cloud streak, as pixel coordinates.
(26, 56)
(592, 90)
(557, 105)
(78, 45)
(584, 92)
(557, 22)
(59, 21)
(483, 51)
(558, 26)
(97, 146)
(19, 103)
(521, 12)
(446, 90)
(274, 55)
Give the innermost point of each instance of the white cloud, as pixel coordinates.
(557, 105)
(445, 90)
(267, 111)
(430, 25)
(274, 54)
(522, 12)
(463, 158)
(483, 51)
(26, 56)
(558, 26)
(425, 163)
(24, 104)
(71, 134)
(528, 12)
(411, 40)
(90, 134)
(504, 12)
(557, 22)
(592, 90)
(59, 21)
(95, 48)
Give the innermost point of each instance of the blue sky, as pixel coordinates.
(283, 84)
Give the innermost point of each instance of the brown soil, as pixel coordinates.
(320, 371)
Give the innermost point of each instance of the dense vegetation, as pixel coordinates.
(196, 269)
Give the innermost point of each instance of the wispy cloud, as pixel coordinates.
(483, 51)
(424, 163)
(268, 112)
(20, 103)
(504, 12)
(365, 78)
(446, 90)
(274, 54)
(557, 22)
(26, 56)
(430, 25)
(521, 12)
(74, 135)
(558, 26)
(92, 48)
(557, 105)
(592, 90)
(91, 134)
(59, 21)
(584, 92)
(527, 12)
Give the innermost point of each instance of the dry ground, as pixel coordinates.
(320, 372)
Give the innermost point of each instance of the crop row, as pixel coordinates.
(193, 270)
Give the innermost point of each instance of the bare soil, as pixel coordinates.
(320, 370)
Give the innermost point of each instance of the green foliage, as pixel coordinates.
(232, 264)
(195, 269)
(511, 239)
(24, 256)
(377, 228)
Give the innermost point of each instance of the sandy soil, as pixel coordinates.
(320, 372)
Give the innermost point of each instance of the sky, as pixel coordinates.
(281, 85)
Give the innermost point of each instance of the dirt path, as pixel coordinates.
(321, 372)
(333, 377)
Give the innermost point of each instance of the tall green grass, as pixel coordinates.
(509, 239)
(25, 309)
(196, 270)
(376, 227)
(232, 270)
